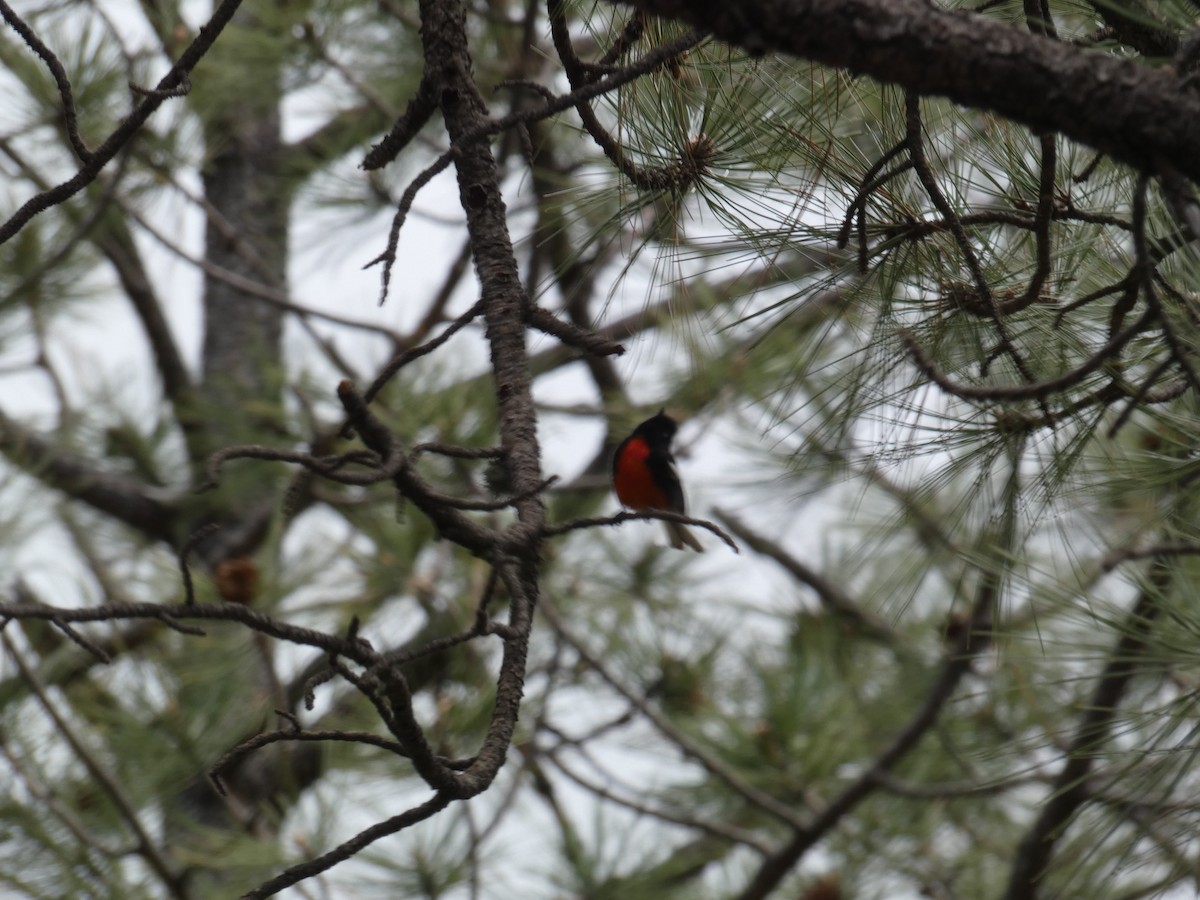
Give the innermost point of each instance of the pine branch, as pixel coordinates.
(1070, 791)
(1142, 116)
(965, 647)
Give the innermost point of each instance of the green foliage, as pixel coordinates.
(683, 717)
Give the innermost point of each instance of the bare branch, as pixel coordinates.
(450, 523)
(342, 852)
(357, 649)
(102, 155)
(61, 81)
(422, 105)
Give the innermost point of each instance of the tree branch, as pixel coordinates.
(972, 640)
(344, 851)
(1070, 789)
(1139, 115)
(832, 597)
(148, 510)
(102, 155)
(146, 847)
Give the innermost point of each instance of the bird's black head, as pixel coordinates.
(658, 430)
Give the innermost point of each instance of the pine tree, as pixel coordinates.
(328, 594)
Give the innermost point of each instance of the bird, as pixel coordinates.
(644, 475)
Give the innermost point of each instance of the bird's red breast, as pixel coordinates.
(633, 480)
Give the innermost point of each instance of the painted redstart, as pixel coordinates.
(644, 475)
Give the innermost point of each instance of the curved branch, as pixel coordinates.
(1027, 391)
(61, 81)
(660, 178)
(100, 157)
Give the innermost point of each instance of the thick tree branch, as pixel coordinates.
(448, 64)
(1142, 116)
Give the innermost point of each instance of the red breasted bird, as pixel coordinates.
(644, 475)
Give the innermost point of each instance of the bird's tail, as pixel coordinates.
(681, 537)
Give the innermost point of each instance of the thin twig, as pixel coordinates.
(57, 72)
(251, 287)
(90, 646)
(329, 467)
(831, 596)
(660, 514)
(102, 155)
(412, 120)
(232, 757)
(715, 829)
(690, 747)
(450, 522)
(652, 60)
(411, 354)
(185, 572)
